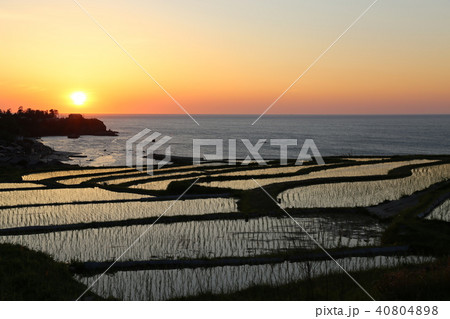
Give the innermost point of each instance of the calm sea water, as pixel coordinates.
(333, 135)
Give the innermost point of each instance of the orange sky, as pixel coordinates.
(226, 56)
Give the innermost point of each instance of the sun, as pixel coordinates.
(78, 98)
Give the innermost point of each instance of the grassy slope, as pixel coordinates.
(429, 237)
(30, 275)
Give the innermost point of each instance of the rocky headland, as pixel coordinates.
(20, 133)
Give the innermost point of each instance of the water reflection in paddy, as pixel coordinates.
(168, 284)
(197, 239)
(442, 212)
(99, 212)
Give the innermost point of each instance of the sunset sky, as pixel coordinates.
(227, 56)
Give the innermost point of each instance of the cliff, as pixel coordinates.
(18, 130)
(35, 123)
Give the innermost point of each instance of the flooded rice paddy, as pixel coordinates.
(204, 239)
(360, 170)
(102, 212)
(169, 284)
(208, 226)
(63, 195)
(363, 194)
(442, 212)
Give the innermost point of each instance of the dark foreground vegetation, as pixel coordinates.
(30, 275)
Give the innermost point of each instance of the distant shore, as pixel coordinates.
(20, 133)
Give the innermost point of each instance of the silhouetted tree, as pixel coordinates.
(35, 123)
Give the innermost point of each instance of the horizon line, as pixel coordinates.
(256, 114)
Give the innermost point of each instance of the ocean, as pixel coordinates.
(334, 135)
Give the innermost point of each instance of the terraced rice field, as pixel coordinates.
(360, 170)
(63, 195)
(97, 224)
(363, 194)
(167, 176)
(18, 185)
(222, 172)
(365, 159)
(56, 174)
(158, 185)
(247, 183)
(206, 239)
(100, 212)
(79, 180)
(168, 284)
(442, 212)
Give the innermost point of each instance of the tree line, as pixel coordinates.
(37, 123)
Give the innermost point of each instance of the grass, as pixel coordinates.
(429, 237)
(30, 275)
(429, 281)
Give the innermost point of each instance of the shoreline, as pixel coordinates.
(29, 152)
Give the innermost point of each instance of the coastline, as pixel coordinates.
(20, 133)
(30, 152)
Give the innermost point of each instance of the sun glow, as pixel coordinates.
(78, 98)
